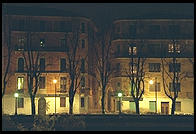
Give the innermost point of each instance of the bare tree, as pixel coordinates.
(7, 51)
(136, 73)
(174, 75)
(74, 64)
(103, 62)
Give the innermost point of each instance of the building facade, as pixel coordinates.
(48, 35)
(151, 38)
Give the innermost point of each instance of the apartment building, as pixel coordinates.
(153, 41)
(48, 35)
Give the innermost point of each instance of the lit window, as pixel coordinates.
(42, 43)
(20, 83)
(152, 106)
(132, 50)
(172, 47)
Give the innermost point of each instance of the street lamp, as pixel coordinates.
(16, 96)
(151, 82)
(55, 81)
(119, 96)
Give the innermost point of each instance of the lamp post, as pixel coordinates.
(119, 96)
(16, 96)
(55, 81)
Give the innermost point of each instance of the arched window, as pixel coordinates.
(20, 65)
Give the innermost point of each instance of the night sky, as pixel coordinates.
(104, 13)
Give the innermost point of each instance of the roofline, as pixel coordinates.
(120, 20)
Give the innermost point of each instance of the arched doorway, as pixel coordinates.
(42, 106)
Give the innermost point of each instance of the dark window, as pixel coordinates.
(154, 67)
(174, 30)
(63, 65)
(21, 25)
(42, 64)
(62, 101)
(42, 82)
(42, 26)
(64, 44)
(82, 101)
(118, 85)
(82, 65)
(83, 43)
(171, 89)
(68, 27)
(63, 82)
(83, 27)
(174, 67)
(42, 43)
(82, 81)
(154, 30)
(118, 67)
(132, 30)
(20, 102)
(62, 26)
(20, 65)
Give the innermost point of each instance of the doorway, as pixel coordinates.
(165, 108)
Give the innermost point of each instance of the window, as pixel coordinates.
(21, 43)
(152, 105)
(42, 26)
(154, 67)
(154, 86)
(68, 26)
(132, 30)
(62, 101)
(63, 82)
(20, 83)
(175, 68)
(173, 48)
(118, 85)
(62, 26)
(154, 30)
(20, 65)
(82, 102)
(132, 50)
(178, 106)
(42, 82)
(132, 106)
(83, 27)
(171, 89)
(118, 67)
(133, 66)
(42, 64)
(83, 43)
(42, 43)
(82, 81)
(82, 66)
(20, 102)
(63, 65)
(173, 30)
(21, 25)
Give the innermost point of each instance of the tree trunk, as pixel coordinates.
(33, 104)
(137, 107)
(102, 100)
(71, 106)
(173, 107)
